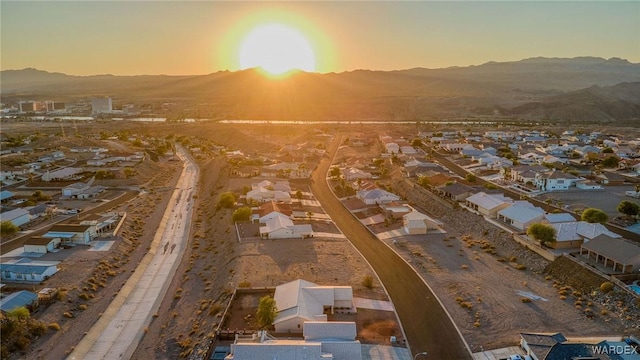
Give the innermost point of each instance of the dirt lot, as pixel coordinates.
(480, 285)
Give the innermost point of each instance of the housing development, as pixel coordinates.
(382, 241)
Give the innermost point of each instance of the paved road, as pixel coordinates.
(426, 324)
(119, 331)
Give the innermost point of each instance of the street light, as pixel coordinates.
(422, 353)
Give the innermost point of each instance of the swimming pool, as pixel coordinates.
(635, 289)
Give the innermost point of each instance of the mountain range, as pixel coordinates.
(584, 89)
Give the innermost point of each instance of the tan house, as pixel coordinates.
(486, 204)
(615, 254)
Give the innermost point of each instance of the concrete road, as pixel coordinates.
(427, 325)
(121, 327)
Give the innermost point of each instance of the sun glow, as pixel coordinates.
(277, 49)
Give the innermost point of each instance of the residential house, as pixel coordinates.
(322, 340)
(270, 210)
(18, 299)
(416, 223)
(25, 269)
(455, 191)
(555, 180)
(617, 254)
(6, 195)
(521, 214)
(42, 245)
(262, 194)
(354, 174)
(610, 178)
(17, 217)
(572, 234)
(61, 174)
(281, 227)
(553, 218)
(376, 196)
(394, 210)
(300, 301)
(81, 190)
(70, 234)
(486, 204)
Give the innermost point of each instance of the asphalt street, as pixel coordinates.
(426, 324)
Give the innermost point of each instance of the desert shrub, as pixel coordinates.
(84, 296)
(67, 314)
(525, 300)
(368, 282)
(82, 306)
(521, 267)
(244, 284)
(54, 326)
(606, 287)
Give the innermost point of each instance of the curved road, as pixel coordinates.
(118, 332)
(426, 324)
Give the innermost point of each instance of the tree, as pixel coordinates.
(416, 143)
(19, 313)
(242, 214)
(227, 200)
(470, 178)
(628, 208)
(610, 162)
(593, 215)
(266, 313)
(607, 150)
(335, 172)
(424, 182)
(542, 232)
(299, 195)
(8, 228)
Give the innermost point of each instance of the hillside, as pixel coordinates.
(523, 88)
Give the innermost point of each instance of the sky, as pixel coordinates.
(201, 37)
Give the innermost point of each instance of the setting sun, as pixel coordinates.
(276, 49)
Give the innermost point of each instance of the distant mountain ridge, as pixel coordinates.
(535, 88)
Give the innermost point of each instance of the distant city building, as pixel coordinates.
(101, 105)
(40, 106)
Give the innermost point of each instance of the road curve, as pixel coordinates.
(120, 329)
(426, 324)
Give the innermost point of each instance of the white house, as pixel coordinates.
(418, 223)
(299, 301)
(521, 214)
(39, 244)
(376, 196)
(62, 174)
(392, 148)
(25, 269)
(334, 340)
(17, 217)
(77, 234)
(281, 227)
(263, 194)
(74, 189)
(555, 180)
(353, 174)
(488, 205)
